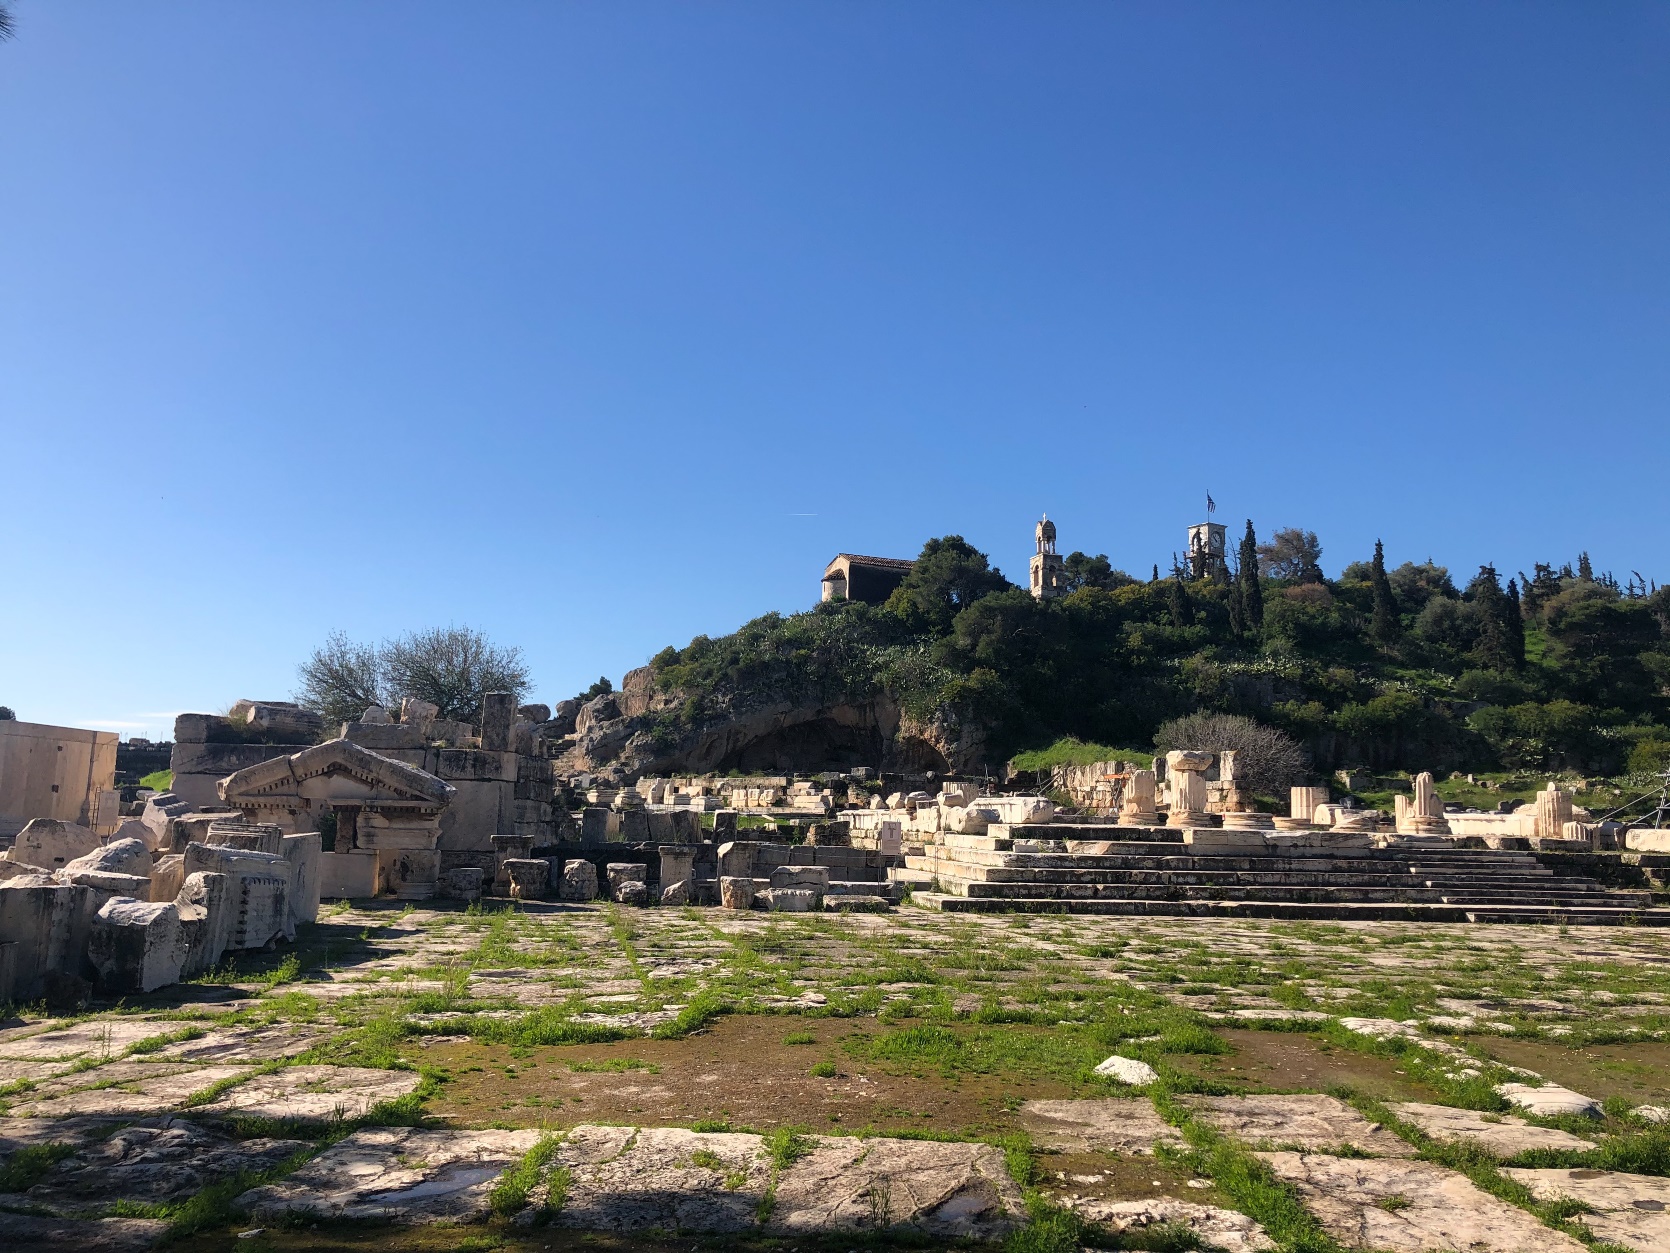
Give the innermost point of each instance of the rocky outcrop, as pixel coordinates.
(641, 729)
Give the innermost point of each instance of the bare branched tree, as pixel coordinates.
(8, 22)
(452, 667)
(1267, 761)
(341, 680)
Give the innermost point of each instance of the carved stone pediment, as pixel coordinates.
(336, 772)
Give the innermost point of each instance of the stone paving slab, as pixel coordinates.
(1631, 1210)
(1112, 1126)
(627, 1179)
(94, 1036)
(153, 1096)
(1432, 1210)
(107, 1235)
(166, 1161)
(1308, 1120)
(1217, 1228)
(317, 1093)
(245, 1044)
(1506, 1136)
(108, 1075)
(398, 1173)
(947, 1190)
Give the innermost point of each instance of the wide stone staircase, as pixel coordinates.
(1152, 871)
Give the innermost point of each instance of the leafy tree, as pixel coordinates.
(341, 679)
(1268, 761)
(6, 714)
(1177, 599)
(1416, 585)
(1247, 584)
(949, 575)
(1292, 554)
(1083, 571)
(1385, 626)
(452, 668)
(603, 687)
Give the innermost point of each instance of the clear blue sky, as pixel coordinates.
(597, 326)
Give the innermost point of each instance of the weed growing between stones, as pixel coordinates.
(25, 1167)
(510, 1193)
(210, 1206)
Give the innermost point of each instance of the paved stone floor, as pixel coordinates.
(532, 1077)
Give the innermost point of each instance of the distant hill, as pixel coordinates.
(1385, 669)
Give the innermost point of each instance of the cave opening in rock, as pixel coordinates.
(808, 747)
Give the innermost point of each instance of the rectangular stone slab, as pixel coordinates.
(1435, 1210)
(398, 1173)
(1631, 1210)
(1507, 1136)
(1308, 1120)
(1113, 1126)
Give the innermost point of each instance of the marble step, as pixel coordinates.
(1326, 912)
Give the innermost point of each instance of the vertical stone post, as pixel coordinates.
(498, 711)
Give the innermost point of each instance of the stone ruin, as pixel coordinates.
(124, 918)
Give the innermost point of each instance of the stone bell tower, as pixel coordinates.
(1207, 550)
(1049, 572)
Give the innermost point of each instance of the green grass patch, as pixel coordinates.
(824, 1070)
(700, 1013)
(613, 1065)
(510, 1193)
(158, 780)
(1071, 751)
(25, 1167)
(800, 1037)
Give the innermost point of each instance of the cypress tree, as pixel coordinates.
(1385, 627)
(1181, 615)
(1252, 592)
(1585, 570)
(1237, 619)
(1513, 627)
(1485, 591)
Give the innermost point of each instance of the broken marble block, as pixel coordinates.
(792, 900)
(632, 892)
(736, 892)
(461, 884)
(124, 857)
(676, 893)
(579, 881)
(621, 873)
(137, 946)
(528, 877)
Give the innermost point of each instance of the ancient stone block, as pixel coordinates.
(1310, 1121)
(498, 710)
(724, 824)
(634, 826)
(811, 878)
(621, 873)
(632, 892)
(579, 881)
(168, 875)
(51, 843)
(418, 714)
(461, 884)
(348, 876)
(594, 825)
(736, 892)
(792, 900)
(528, 877)
(736, 857)
(1504, 1136)
(137, 946)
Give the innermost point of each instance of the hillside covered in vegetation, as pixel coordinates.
(1407, 668)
